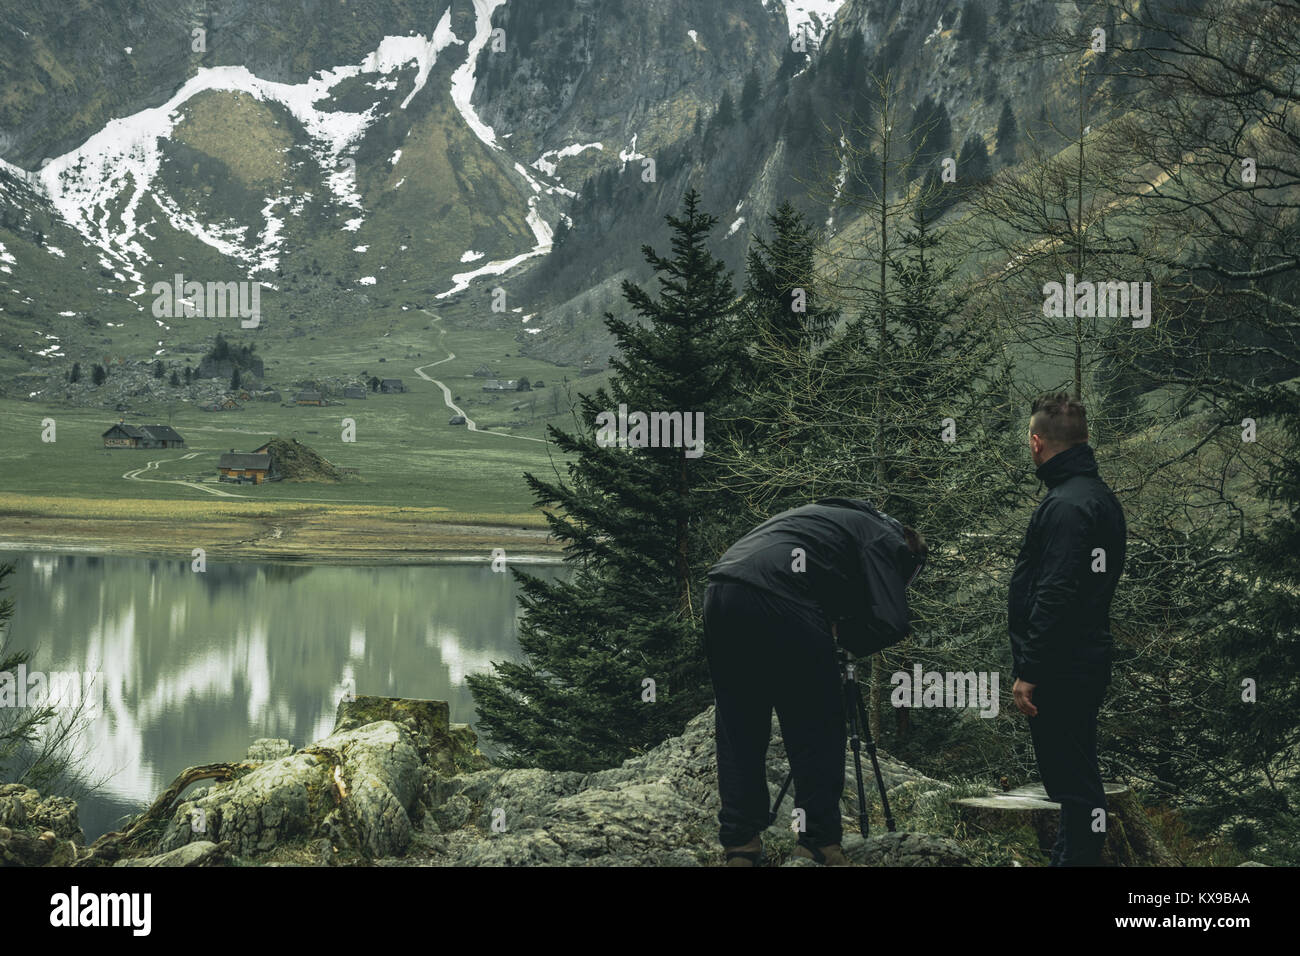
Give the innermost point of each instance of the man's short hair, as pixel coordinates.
(1059, 419)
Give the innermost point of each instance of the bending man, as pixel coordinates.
(772, 602)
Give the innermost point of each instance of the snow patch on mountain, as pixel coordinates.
(462, 81)
(542, 232)
(630, 154)
(815, 16)
(548, 162)
(99, 186)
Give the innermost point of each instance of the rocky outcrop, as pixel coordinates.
(36, 831)
(397, 784)
(361, 788)
(659, 809)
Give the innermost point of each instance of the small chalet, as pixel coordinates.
(354, 391)
(456, 420)
(390, 386)
(484, 372)
(123, 435)
(309, 398)
(236, 467)
(501, 385)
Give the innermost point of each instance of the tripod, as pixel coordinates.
(856, 716)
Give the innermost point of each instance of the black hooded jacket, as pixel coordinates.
(1059, 608)
(839, 559)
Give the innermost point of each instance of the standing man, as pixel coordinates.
(1059, 617)
(774, 600)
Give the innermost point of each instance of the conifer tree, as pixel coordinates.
(1007, 134)
(633, 522)
(749, 94)
(726, 114)
(1257, 774)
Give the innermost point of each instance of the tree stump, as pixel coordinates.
(1130, 840)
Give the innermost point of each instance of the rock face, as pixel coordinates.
(659, 809)
(359, 788)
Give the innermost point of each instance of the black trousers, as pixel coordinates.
(767, 652)
(1065, 745)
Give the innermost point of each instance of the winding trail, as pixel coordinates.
(134, 475)
(446, 392)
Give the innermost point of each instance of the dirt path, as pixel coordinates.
(446, 392)
(134, 475)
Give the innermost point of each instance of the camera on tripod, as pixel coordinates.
(859, 732)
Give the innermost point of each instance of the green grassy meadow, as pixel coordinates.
(406, 452)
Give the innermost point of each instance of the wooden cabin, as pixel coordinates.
(123, 435)
(235, 467)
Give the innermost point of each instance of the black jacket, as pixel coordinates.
(839, 559)
(1059, 609)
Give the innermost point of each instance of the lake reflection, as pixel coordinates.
(195, 666)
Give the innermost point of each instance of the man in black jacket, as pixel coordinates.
(1059, 617)
(774, 600)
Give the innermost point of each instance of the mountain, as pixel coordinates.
(363, 156)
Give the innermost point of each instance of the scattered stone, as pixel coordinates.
(202, 853)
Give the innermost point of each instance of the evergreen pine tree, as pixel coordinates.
(1257, 775)
(781, 305)
(749, 94)
(634, 522)
(783, 320)
(726, 114)
(973, 167)
(1007, 134)
(974, 24)
(75, 375)
(20, 728)
(930, 135)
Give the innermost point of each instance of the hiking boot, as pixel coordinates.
(827, 855)
(751, 854)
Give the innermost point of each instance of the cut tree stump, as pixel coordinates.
(1130, 840)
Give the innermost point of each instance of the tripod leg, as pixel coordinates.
(855, 741)
(875, 763)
